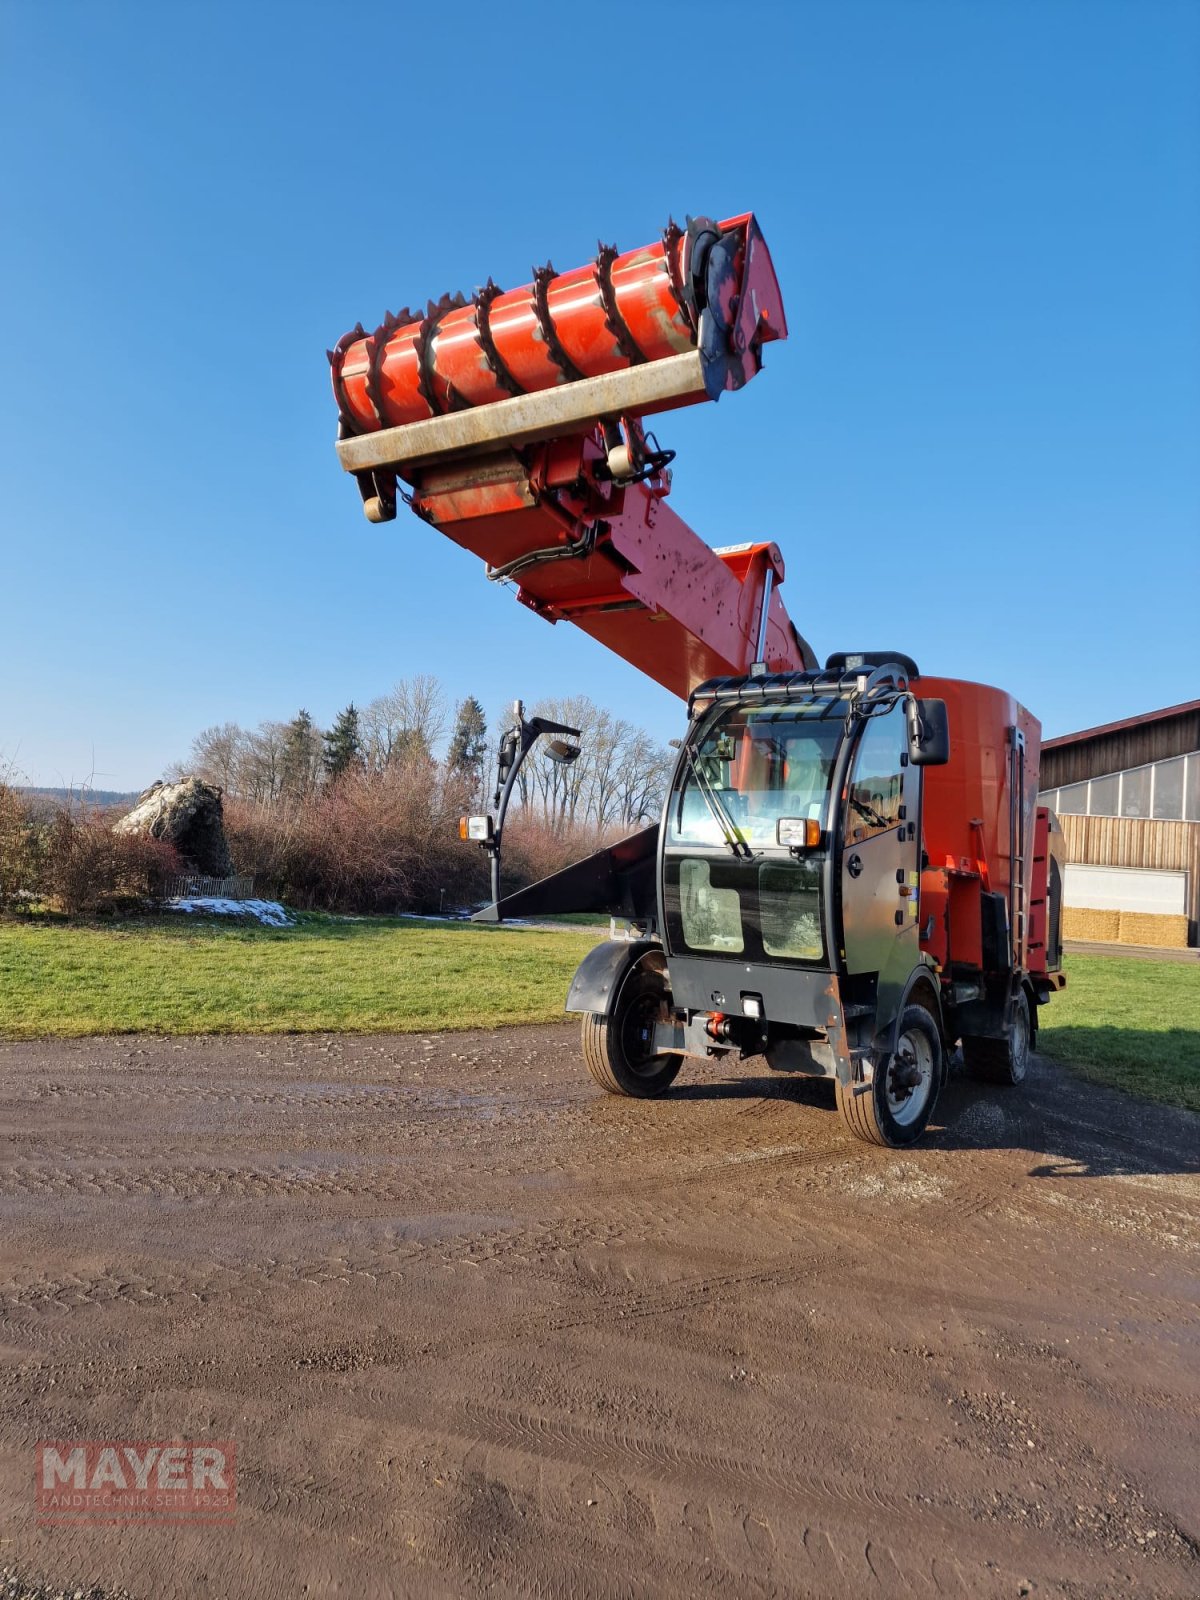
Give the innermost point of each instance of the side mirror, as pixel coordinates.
(508, 754)
(928, 733)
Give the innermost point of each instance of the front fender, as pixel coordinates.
(924, 980)
(598, 979)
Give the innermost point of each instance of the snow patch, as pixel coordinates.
(268, 912)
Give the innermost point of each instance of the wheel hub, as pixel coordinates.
(910, 1078)
(639, 1033)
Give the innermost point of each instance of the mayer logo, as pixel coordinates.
(136, 1480)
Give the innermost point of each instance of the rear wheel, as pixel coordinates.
(619, 1048)
(894, 1109)
(1003, 1060)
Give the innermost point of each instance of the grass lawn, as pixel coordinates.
(1131, 1024)
(173, 975)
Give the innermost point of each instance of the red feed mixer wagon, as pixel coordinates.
(851, 874)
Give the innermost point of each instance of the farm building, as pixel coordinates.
(1128, 797)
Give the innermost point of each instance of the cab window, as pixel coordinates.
(758, 764)
(876, 789)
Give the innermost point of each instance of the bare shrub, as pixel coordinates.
(374, 842)
(21, 848)
(535, 847)
(88, 867)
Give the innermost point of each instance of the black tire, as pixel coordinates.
(891, 1112)
(1003, 1060)
(615, 1046)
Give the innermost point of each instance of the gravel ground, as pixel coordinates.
(477, 1328)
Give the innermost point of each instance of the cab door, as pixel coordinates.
(880, 865)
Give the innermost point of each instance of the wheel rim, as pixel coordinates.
(637, 1035)
(907, 1102)
(1020, 1044)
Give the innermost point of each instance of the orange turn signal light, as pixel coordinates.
(798, 833)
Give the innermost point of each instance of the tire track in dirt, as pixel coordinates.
(478, 1329)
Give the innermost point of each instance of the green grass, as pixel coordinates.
(167, 975)
(1133, 1025)
(578, 919)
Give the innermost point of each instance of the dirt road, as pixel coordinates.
(475, 1327)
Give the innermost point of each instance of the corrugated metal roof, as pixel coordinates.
(1065, 739)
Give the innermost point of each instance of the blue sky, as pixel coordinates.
(981, 443)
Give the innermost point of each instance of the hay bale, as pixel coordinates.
(1094, 927)
(1163, 931)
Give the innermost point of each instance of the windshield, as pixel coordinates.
(756, 765)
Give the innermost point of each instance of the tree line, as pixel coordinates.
(358, 817)
(617, 782)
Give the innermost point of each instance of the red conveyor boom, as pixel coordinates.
(515, 419)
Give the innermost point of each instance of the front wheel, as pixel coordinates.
(619, 1048)
(895, 1107)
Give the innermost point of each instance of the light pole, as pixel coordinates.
(515, 745)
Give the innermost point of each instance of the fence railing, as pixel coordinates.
(194, 885)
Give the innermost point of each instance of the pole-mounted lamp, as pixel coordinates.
(515, 745)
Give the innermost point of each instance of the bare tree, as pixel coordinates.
(610, 739)
(216, 755)
(260, 770)
(409, 722)
(619, 778)
(641, 780)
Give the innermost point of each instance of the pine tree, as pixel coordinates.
(300, 760)
(468, 742)
(343, 744)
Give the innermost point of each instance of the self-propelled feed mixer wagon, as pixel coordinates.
(851, 873)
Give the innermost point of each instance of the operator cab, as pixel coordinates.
(747, 832)
(791, 842)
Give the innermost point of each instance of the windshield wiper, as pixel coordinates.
(730, 831)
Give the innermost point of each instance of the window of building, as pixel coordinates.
(1104, 797)
(1135, 792)
(1191, 791)
(1168, 788)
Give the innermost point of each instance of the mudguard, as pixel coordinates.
(920, 977)
(598, 979)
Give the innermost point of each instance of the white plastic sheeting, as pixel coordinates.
(1126, 889)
